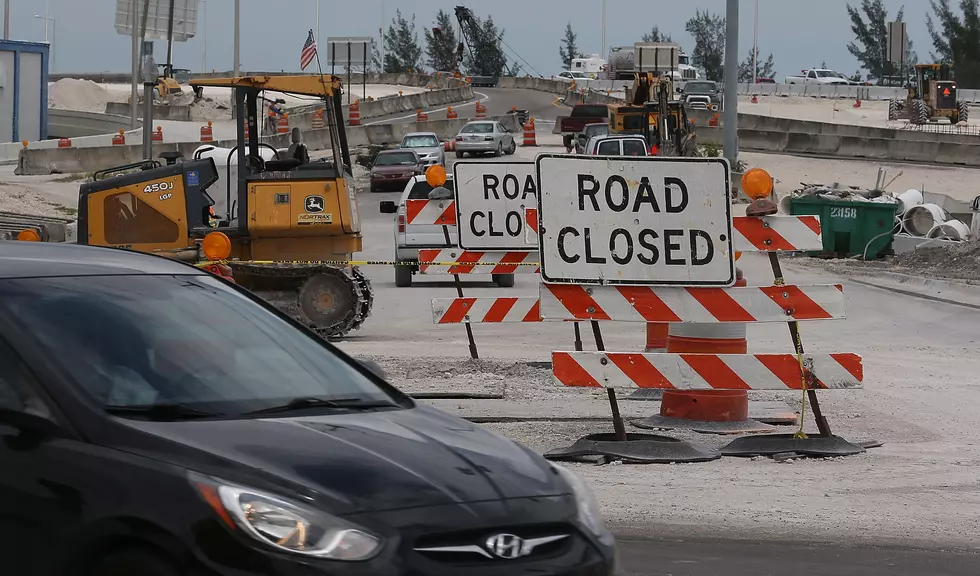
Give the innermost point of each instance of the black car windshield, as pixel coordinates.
(481, 128)
(396, 159)
(423, 141)
(139, 341)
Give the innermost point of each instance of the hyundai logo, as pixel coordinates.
(506, 546)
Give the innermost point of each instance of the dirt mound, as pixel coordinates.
(75, 94)
(958, 261)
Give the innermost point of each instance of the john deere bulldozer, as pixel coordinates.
(291, 224)
(653, 113)
(932, 95)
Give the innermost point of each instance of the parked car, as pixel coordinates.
(156, 420)
(588, 132)
(617, 145)
(581, 116)
(427, 145)
(701, 95)
(818, 76)
(485, 137)
(392, 169)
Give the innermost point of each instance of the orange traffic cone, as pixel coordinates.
(707, 411)
(530, 135)
(354, 118)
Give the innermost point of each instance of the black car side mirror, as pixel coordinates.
(388, 207)
(440, 193)
(29, 424)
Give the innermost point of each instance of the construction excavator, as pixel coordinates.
(291, 225)
(653, 112)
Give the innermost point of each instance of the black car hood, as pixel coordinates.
(370, 461)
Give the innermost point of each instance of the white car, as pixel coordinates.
(410, 238)
(616, 145)
(570, 76)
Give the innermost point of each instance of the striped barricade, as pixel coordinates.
(702, 305)
(708, 371)
(456, 261)
(431, 212)
(644, 304)
(751, 234)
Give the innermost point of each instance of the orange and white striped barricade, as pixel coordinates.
(117, 139)
(485, 310)
(282, 125)
(602, 261)
(354, 114)
(421, 116)
(457, 261)
(207, 133)
(64, 142)
(440, 212)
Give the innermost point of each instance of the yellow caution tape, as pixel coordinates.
(368, 263)
(799, 357)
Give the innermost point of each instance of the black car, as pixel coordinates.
(156, 420)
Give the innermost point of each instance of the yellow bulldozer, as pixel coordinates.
(291, 225)
(653, 112)
(931, 95)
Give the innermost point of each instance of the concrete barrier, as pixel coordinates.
(86, 160)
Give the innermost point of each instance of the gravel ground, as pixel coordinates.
(960, 262)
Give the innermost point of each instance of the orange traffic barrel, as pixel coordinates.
(207, 133)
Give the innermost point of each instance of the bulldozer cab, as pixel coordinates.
(290, 206)
(935, 86)
(653, 113)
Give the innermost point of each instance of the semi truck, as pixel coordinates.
(625, 61)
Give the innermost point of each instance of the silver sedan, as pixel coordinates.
(483, 137)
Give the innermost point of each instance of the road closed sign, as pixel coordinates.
(491, 203)
(635, 221)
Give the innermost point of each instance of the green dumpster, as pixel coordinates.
(850, 228)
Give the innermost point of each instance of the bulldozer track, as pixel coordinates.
(358, 285)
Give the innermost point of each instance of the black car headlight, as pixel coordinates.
(286, 526)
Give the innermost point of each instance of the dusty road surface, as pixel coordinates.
(911, 506)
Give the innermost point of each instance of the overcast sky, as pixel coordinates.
(800, 33)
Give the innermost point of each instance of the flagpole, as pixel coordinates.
(338, 155)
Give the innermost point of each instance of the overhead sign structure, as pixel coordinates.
(158, 18)
(897, 42)
(491, 198)
(353, 50)
(651, 221)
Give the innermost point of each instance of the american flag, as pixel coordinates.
(309, 51)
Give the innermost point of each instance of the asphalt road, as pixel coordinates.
(402, 318)
(734, 558)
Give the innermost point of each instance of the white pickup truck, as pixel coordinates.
(819, 76)
(410, 237)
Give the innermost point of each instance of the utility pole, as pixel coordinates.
(603, 53)
(381, 36)
(755, 47)
(6, 19)
(135, 92)
(237, 39)
(731, 83)
(318, 23)
(204, 26)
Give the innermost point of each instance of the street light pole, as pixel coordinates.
(204, 26)
(603, 53)
(381, 36)
(6, 19)
(237, 38)
(54, 31)
(731, 84)
(755, 47)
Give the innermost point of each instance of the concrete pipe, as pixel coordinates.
(909, 199)
(950, 230)
(919, 220)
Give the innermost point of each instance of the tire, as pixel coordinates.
(499, 151)
(892, 110)
(513, 148)
(132, 562)
(504, 280)
(460, 154)
(964, 111)
(403, 275)
(919, 112)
